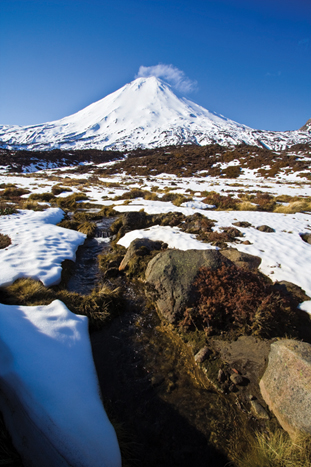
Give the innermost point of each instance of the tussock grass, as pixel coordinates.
(33, 205)
(246, 206)
(88, 228)
(13, 193)
(176, 198)
(42, 197)
(6, 209)
(58, 189)
(70, 202)
(276, 449)
(137, 193)
(100, 306)
(108, 211)
(295, 206)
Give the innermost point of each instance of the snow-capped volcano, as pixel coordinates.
(144, 113)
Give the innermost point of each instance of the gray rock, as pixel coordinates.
(242, 260)
(286, 385)
(134, 220)
(171, 274)
(258, 410)
(294, 290)
(202, 355)
(306, 237)
(265, 228)
(243, 224)
(139, 247)
(232, 231)
(236, 379)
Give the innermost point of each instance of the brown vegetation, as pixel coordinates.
(100, 306)
(238, 301)
(4, 241)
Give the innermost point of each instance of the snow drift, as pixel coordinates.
(49, 394)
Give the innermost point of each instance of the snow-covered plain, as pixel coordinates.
(39, 246)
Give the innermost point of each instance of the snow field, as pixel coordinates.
(46, 364)
(38, 246)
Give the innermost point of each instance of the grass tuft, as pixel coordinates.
(100, 306)
(276, 449)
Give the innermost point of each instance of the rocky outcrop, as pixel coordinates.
(139, 247)
(171, 274)
(242, 260)
(286, 385)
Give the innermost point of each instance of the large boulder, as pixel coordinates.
(171, 273)
(242, 260)
(286, 385)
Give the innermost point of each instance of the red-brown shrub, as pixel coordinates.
(238, 301)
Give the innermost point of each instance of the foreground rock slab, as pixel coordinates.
(49, 392)
(286, 385)
(171, 274)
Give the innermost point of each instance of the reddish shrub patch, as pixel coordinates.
(237, 301)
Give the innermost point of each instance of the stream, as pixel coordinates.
(85, 270)
(163, 416)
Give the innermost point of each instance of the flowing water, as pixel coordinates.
(148, 382)
(85, 271)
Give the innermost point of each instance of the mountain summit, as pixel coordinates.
(144, 113)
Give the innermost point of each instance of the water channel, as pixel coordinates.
(147, 382)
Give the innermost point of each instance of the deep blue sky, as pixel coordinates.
(251, 59)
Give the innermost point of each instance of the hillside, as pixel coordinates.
(143, 114)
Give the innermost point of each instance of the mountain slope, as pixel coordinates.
(144, 113)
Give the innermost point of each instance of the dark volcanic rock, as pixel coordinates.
(293, 290)
(242, 260)
(134, 220)
(265, 228)
(306, 237)
(171, 275)
(243, 224)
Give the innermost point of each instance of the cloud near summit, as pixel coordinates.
(169, 73)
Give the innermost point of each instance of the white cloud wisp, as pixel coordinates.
(169, 73)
